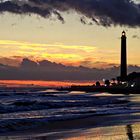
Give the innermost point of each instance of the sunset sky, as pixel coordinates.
(71, 42)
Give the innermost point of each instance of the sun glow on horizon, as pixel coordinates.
(39, 83)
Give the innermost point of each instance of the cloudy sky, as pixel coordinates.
(72, 32)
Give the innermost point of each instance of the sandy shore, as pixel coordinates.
(81, 128)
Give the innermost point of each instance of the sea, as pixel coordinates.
(30, 107)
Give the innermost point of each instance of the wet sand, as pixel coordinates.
(107, 127)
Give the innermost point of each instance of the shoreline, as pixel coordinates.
(58, 128)
(88, 88)
(71, 127)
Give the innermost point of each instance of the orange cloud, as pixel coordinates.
(76, 55)
(56, 52)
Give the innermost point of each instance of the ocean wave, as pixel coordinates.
(20, 124)
(27, 109)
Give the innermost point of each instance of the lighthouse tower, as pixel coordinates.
(123, 68)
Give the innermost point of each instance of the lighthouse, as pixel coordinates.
(123, 67)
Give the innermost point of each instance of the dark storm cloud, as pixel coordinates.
(102, 12)
(135, 36)
(85, 22)
(19, 7)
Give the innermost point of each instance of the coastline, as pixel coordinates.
(110, 89)
(72, 128)
(68, 125)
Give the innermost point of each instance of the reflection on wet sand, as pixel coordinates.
(129, 128)
(129, 133)
(122, 132)
(109, 133)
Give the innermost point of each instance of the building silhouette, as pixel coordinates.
(123, 68)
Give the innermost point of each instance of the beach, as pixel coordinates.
(38, 113)
(114, 127)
